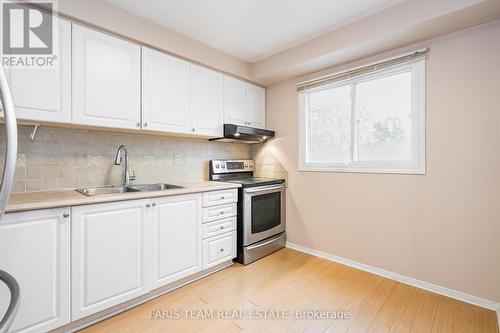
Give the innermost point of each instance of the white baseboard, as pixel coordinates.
(482, 302)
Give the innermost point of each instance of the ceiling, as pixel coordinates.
(253, 29)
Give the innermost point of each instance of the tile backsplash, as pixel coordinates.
(267, 163)
(61, 158)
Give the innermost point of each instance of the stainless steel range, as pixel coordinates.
(261, 208)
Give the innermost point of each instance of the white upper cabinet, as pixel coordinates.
(101, 80)
(235, 101)
(106, 80)
(165, 92)
(175, 238)
(45, 94)
(109, 260)
(244, 103)
(35, 250)
(256, 106)
(206, 102)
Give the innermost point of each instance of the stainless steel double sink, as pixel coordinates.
(103, 190)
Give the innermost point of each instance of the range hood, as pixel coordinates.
(244, 134)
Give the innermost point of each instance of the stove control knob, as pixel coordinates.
(251, 165)
(216, 166)
(223, 166)
(246, 165)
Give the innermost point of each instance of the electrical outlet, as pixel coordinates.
(177, 159)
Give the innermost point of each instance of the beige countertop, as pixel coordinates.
(64, 198)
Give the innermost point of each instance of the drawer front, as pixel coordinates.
(219, 212)
(219, 249)
(219, 227)
(220, 197)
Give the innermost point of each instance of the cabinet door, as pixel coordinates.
(45, 94)
(176, 239)
(165, 92)
(108, 253)
(256, 105)
(235, 101)
(106, 80)
(218, 249)
(34, 249)
(206, 102)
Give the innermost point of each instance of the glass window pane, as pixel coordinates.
(383, 109)
(329, 126)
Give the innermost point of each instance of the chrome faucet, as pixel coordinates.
(121, 155)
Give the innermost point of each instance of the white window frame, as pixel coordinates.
(416, 166)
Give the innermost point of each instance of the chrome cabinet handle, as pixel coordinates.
(138, 124)
(251, 247)
(148, 205)
(193, 129)
(145, 125)
(221, 250)
(154, 204)
(66, 215)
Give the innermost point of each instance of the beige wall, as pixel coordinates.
(61, 158)
(442, 227)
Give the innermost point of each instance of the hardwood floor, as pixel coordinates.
(290, 280)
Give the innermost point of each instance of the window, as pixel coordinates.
(369, 123)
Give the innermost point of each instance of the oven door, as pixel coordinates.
(263, 212)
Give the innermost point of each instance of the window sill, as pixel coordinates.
(417, 171)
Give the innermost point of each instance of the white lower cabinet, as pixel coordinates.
(35, 250)
(219, 226)
(109, 255)
(175, 238)
(218, 249)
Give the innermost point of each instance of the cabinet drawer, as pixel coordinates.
(219, 227)
(220, 197)
(219, 249)
(219, 212)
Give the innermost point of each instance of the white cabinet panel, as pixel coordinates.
(175, 238)
(35, 249)
(219, 249)
(256, 105)
(235, 100)
(106, 80)
(206, 102)
(219, 212)
(165, 92)
(44, 94)
(215, 198)
(109, 257)
(219, 227)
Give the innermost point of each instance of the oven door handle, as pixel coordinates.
(264, 188)
(274, 239)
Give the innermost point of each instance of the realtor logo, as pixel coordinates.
(27, 29)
